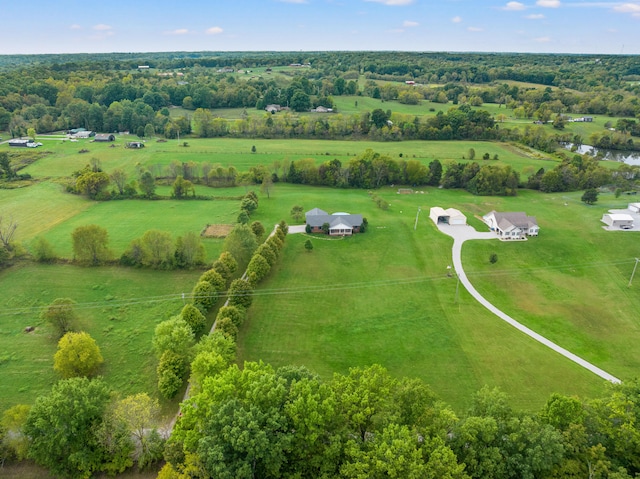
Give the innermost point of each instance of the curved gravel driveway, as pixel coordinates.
(460, 234)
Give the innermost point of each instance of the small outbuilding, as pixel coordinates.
(450, 216)
(104, 137)
(634, 207)
(17, 142)
(134, 144)
(617, 220)
(83, 134)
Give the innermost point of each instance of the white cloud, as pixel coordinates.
(393, 3)
(535, 16)
(543, 39)
(548, 3)
(102, 27)
(514, 6)
(75, 26)
(456, 19)
(409, 23)
(179, 31)
(475, 29)
(214, 31)
(632, 8)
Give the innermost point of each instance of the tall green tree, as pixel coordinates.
(91, 244)
(62, 425)
(241, 243)
(78, 354)
(147, 184)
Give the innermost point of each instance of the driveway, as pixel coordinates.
(460, 234)
(297, 229)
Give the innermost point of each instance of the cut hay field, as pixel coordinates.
(384, 297)
(118, 307)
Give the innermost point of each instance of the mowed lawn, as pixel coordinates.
(571, 283)
(385, 297)
(118, 307)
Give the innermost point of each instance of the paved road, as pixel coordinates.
(460, 234)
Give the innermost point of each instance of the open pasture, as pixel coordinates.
(130, 219)
(118, 307)
(237, 153)
(384, 297)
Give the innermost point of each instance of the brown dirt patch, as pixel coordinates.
(216, 231)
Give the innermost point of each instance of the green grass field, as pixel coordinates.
(127, 220)
(65, 159)
(384, 297)
(571, 283)
(401, 312)
(118, 307)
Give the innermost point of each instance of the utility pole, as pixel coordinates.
(633, 272)
(416, 223)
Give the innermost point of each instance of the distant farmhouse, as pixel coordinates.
(17, 142)
(104, 137)
(322, 109)
(512, 225)
(81, 133)
(338, 224)
(275, 108)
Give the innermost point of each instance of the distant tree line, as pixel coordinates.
(115, 96)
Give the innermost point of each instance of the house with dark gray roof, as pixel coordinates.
(512, 225)
(339, 224)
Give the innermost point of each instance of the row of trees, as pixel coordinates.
(177, 342)
(261, 422)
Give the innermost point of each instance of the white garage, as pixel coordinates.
(450, 216)
(617, 220)
(634, 207)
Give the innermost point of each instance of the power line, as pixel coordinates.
(315, 288)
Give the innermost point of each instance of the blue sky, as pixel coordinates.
(548, 26)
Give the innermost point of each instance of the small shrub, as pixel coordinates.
(493, 258)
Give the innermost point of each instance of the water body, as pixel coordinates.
(628, 157)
